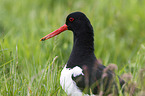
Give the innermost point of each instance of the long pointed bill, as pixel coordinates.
(54, 33)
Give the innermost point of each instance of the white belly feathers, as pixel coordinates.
(68, 84)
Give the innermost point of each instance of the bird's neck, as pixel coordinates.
(83, 50)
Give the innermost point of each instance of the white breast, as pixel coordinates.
(68, 84)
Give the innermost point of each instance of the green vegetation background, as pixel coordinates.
(27, 66)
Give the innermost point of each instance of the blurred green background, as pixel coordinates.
(27, 66)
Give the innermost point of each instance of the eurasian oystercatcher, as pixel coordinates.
(84, 74)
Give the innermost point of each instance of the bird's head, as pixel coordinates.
(75, 22)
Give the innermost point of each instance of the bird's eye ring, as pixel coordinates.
(71, 19)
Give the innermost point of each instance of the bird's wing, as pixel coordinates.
(96, 78)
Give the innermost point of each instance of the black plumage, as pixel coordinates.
(82, 55)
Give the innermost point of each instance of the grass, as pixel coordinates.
(27, 66)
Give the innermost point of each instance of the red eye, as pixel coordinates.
(71, 19)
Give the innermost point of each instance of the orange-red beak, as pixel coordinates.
(54, 33)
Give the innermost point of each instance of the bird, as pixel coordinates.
(83, 74)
